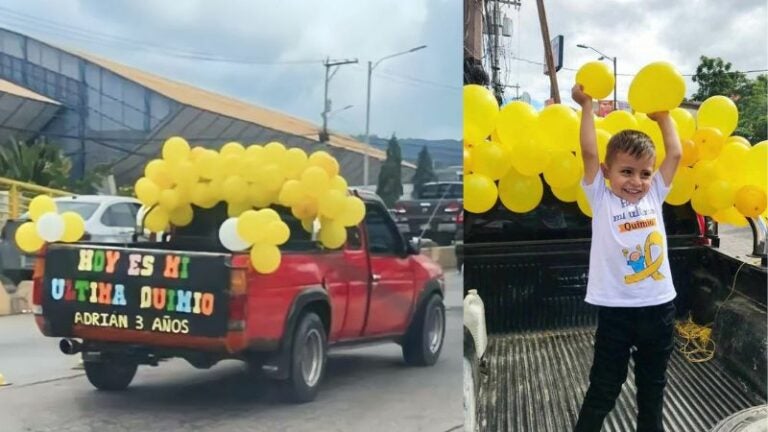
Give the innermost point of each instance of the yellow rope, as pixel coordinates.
(694, 341)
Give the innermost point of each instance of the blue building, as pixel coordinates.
(102, 112)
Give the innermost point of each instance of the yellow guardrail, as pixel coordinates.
(15, 197)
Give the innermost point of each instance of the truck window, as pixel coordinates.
(383, 237)
(353, 238)
(553, 219)
(441, 190)
(119, 215)
(204, 229)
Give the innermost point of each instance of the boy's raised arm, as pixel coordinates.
(672, 147)
(587, 137)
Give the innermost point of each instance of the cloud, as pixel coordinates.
(416, 95)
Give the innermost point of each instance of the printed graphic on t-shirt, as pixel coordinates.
(641, 260)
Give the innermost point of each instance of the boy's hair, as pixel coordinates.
(632, 142)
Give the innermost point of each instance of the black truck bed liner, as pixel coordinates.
(536, 382)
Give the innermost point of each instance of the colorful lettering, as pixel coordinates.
(172, 266)
(133, 264)
(57, 288)
(112, 258)
(148, 264)
(86, 260)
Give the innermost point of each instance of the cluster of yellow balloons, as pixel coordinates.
(247, 178)
(507, 151)
(262, 231)
(48, 226)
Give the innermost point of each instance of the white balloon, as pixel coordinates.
(50, 227)
(229, 237)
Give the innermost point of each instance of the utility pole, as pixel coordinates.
(335, 64)
(554, 91)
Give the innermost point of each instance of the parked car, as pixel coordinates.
(187, 296)
(434, 213)
(530, 270)
(108, 219)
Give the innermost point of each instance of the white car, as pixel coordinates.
(108, 219)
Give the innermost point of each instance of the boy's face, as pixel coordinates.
(630, 178)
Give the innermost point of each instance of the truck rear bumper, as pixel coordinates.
(536, 382)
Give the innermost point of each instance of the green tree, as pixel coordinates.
(390, 186)
(424, 172)
(715, 77)
(44, 164)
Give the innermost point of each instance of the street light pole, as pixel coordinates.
(615, 80)
(371, 67)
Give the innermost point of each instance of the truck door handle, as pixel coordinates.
(376, 277)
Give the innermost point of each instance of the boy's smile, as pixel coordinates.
(629, 177)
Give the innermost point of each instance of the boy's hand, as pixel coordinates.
(659, 116)
(581, 98)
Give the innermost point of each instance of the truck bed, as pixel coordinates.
(537, 379)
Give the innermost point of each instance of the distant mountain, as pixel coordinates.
(445, 152)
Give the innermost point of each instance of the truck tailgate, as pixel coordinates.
(536, 382)
(141, 291)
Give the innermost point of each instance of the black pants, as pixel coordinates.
(651, 331)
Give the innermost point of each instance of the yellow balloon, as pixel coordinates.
(704, 172)
(480, 112)
(516, 119)
(720, 113)
(306, 208)
(325, 161)
(686, 124)
(563, 171)
(294, 163)
(255, 151)
(157, 220)
(617, 121)
(184, 173)
(159, 171)
(276, 233)
(750, 200)
(738, 139)
(27, 238)
(469, 163)
(232, 148)
(560, 125)
(235, 190)
(683, 186)
(290, 193)
(602, 144)
(265, 258)
(274, 152)
(596, 78)
(168, 199)
(315, 181)
(41, 205)
(251, 226)
(657, 87)
(308, 225)
(260, 197)
(480, 193)
(491, 159)
(568, 194)
(338, 183)
(175, 149)
(730, 216)
(756, 169)
(333, 235)
(529, 156)
(207, 164)
(709, 141)
(690, 153)
(583, 202)
(182, 216)
(732, 159)
(331, 203)
(700, 203)
(236, 209)
(519, 193)
(147, 191)
(353, 213)
(74, 227)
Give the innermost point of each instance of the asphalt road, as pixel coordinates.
(366, 389)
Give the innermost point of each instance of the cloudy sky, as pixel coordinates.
(637, 33)
(272, 52)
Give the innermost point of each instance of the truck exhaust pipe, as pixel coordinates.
(70, 346)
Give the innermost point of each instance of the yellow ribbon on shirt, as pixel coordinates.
(651, 266)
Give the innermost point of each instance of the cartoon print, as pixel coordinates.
(642, 263)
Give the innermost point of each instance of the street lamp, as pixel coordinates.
(371, 67)
(334, 112)
(615, 103)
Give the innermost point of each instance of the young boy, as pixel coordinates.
(629, 276)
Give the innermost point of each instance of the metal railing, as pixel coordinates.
(15, 197)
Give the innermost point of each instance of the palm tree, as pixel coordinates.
(39, 163)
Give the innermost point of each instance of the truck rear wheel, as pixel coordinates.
(308, 357)
(110, 375)
(424, 340)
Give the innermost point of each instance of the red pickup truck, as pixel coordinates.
(186, 296)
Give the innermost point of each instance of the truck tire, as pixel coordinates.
(111, 375)
(309, 353)
(423, 341)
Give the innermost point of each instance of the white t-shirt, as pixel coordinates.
(628, 258)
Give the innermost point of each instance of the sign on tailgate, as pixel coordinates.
(135, 289)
